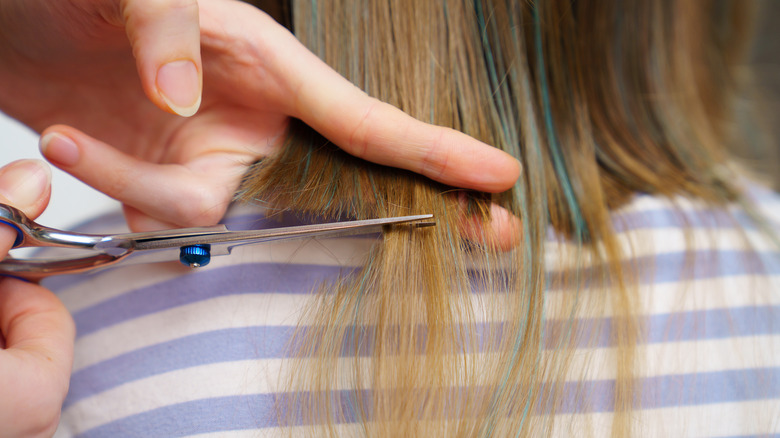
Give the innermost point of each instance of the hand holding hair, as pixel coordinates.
(36, 331)
(77, 63)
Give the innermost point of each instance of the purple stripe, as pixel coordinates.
(243, 412)
(295, 279)
(675, 327)
(680, 219)
(679, 390)
(271, 342)
(259, 221)
(246, 221)
(693, 265)
(244, 343)
(114, 219)
(250, 412)
(759, 193)
(684, 266)
(255, 278)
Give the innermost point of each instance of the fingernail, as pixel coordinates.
(59, 149)
(510, 166)
(506, 227)
(179, 85)
(23, 182)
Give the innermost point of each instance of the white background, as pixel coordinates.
(72, 202)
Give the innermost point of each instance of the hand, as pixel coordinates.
(36, 332)
(71, 62)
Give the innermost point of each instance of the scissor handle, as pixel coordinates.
(36, 269)
(31, 234)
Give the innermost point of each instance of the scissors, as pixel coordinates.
(192, 246)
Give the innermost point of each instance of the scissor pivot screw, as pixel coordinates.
(195, 256)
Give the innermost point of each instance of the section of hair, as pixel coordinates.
(440, 336)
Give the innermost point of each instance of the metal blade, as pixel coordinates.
(257, 236)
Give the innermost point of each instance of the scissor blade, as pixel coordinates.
(154, 250)
(303, 231)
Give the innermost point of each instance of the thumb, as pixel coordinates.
(26, 185)
(36, 360)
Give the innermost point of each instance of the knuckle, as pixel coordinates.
(116, 186)
(44, 424)
(189, 7)
(143, 13)
(435, 162)
(202, 207)
(47, 409)
(360, 135)
(155, 7)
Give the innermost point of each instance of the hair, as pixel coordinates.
(439, 335)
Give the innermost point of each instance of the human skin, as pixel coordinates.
(36, 331)
(172, 155)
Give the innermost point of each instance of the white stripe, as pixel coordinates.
(758, 418)
(658, 241)
(219, 313)
(659, 299)
(103, 286)
(215, 380)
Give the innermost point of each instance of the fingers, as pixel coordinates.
(140, 221)
(165, 36)
(169, 194)
(36, 332)
(26, 185)
(32, 319)
(502, 233)
(36, 361)
(379, 132)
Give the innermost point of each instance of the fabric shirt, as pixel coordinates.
(165, 350)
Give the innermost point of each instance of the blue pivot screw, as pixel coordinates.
(195, 256)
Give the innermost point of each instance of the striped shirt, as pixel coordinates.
(163, 350)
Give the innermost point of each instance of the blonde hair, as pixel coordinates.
(598, 100)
